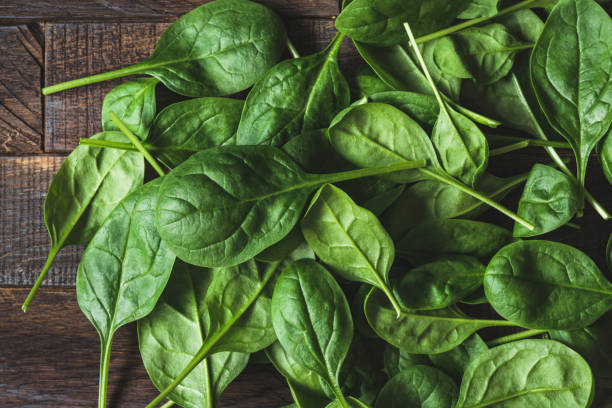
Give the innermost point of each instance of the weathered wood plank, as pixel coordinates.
(20, 99)
(24, 241)
(77, 50)
(25, 11)
(49, 358)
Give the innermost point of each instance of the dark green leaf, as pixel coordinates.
(365, 82)
(294, 97)
(605, 156)
(527, 373)
(455, 361)
(480, 8)
(172, 334)
(418, 386)
(449, 84)
(549, 200)
(440, 283)
(134, 103)
(380, 202)
(187, 127)
(571, 69)
(546, 285)
(609, 253)
(397, 360)
(421, 107)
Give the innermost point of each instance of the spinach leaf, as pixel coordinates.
(304, 399)
(593, 343)
(418, 386)
(187, 127)
(350, 402)
(365, 82)
(530, 373)
(379, 22)
(430, 332)
(455, 361)
(312, 320)
(421, 107)
(134, 103)
(290, 248)
(235, 314)
(314, 153)
(374, 133)
(85, 189)
(225, 205)
(173, 333)
(452, 236)
(295, 96)
(190, 60)
(447, 82)
(605, 156)
(350, 239)
(480, 8)
(380, 202)
(440, 283)
(546, 285)
(396, 360)
(549, 200)
(609, 253)
(123, 270)
(571, 70)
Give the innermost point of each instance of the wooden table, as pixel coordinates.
(49, 356)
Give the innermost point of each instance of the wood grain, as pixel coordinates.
(49, 358)
(25, 11)
(20, 98)
(24, 241)
(77, 50)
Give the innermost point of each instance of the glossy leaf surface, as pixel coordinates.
(134, 103)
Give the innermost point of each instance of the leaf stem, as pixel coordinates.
(294, 52)
(444, 178)
(41, 277)
(137, 143)
(167, 404)
(469, 23)
(105, 76)
(514, 337)
(104, 366)
(532, 142)
(111, 145)
(369, 171)
(475, 116)
(509, 148)
(572, 225)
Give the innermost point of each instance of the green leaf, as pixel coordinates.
(225, 205)
(446, 82)
(350, 403)
(373, 134)
(421, 107)
(379, 22)
(88, 185)
(450, 236)
(605, 156)
(549, 201)
(571, 70)
(296, 96)
(190, 60)
(609, 253)
(546, 285)
(440, 283)
(365, 82)
(527, 373)
(187, 127)
(349, 238)
(418, 386)
(480, 8)
(430, 332)
(123, 270)
(312, 320)
(380, 202)
(172, 334)
(134, 103)
(396, 360)
(455, 361)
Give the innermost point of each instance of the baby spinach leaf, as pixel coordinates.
(225, 205)
(451, 236)
(190, 60)
(304, 399)
(173, 333)
(295, 96)
(609, 253)
(380, 202)
(440, 283)
(431, 332)
(85, 189)
(375, 133)
(235, 315)
(455, 361)
(292, 247)
(349, 238)
(445, 57)
(480, 8)
(312, 320)
(123, 270)
(595, 345)
(549, 200)
(529, 373)
(379, 22)
(396, 360)
(350, 402)
(447, 83)
(314, 153)
(187, 127)
(605, 156)
(134, 103)
(418, 386)
(546, 285)
(421, 107)
(571, 70)
(365, 82)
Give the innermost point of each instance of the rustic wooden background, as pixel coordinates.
(49, 356)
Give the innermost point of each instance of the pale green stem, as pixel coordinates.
(514, 337)
(475, 116)
(168, 404)
(52, 254)
(532, 142)
(470, 23)
(370, 171)
(137, 143)
(111, 145)
(104, 366)
(294, 52)
(510, 148)
(572, 225)
(105, 76)
(335, 387)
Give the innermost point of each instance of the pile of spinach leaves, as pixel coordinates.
(333, 223)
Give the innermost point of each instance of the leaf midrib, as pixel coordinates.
(520, 394)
